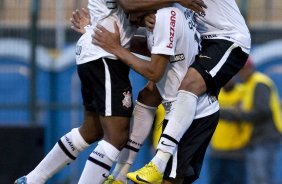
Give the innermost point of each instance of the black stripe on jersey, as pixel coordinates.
(102, 164)
(65, 150)
(131, 148)
(169, 138)
(111, 4)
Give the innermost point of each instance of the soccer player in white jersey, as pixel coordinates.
(173, 48)
(226, 44)
(106, 90)
(107, 100)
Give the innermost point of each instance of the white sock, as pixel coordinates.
(64, 152)
(179, 122)
(120, 171)
(160, 160)
(99, 163)
(143, 117)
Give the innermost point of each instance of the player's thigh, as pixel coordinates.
(106, 90)
(193, 82)
(218, 61)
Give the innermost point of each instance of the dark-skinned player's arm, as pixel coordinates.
(152, 70)
(144, 5)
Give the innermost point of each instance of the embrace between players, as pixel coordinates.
(194, 52)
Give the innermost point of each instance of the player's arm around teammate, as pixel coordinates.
(143, 5)
(152, 70)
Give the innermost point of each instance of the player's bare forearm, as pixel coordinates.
(144, 5)
(110, 42)
(144, 68)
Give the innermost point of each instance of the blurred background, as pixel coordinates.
(40, 91)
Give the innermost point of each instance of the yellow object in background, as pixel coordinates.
(231, 135)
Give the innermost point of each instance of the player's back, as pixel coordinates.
(172, 36)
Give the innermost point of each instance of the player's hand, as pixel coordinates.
(196, 5)
(150, 20)
(79, 20)
(105, 39)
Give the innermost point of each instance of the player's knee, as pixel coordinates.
(91, 135)
(118, 140)
(123, 138)
(95, 136)
(193, 82)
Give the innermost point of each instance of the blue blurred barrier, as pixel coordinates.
(58, 96)
(268, 59)
(14, 80)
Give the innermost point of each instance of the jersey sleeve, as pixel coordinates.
(164, 32)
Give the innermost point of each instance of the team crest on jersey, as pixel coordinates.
(126, 102)
(212, 99)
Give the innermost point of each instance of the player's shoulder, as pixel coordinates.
(169, 14)
(169, 10)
